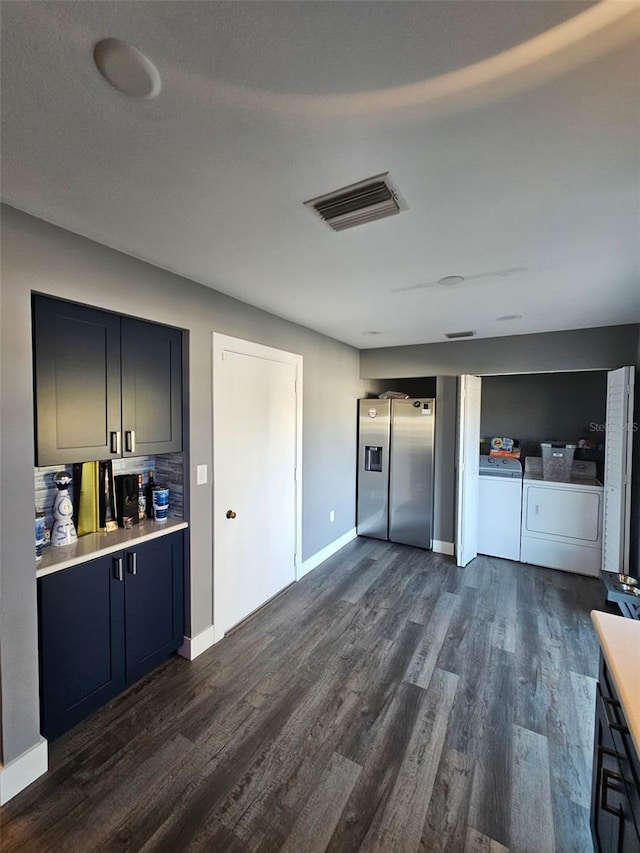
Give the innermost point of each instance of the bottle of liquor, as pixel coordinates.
(142, 500)
(148, 493)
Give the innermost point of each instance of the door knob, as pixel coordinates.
(231, 513)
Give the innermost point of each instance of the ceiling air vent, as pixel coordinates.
(459, 334)
(359, 203)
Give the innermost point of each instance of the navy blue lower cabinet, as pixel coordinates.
(154, 609)
(615, 797)
(104, 624)
(81, 638)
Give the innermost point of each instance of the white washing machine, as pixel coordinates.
(562, 522)
(499, 504)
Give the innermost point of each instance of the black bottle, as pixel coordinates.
(148, 493)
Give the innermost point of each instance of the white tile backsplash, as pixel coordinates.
(167, 469)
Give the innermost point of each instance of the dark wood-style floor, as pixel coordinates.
(388, 702)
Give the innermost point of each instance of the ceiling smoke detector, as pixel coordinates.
(450, 280)
(127, 69)
(357, 204)
(451, 335)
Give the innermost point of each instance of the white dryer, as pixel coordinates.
(562, 522)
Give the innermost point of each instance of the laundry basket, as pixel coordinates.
(557, 460)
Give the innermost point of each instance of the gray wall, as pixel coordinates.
(39, 257)
(541, 406)
(582, 349)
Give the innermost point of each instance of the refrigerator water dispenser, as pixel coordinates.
(372, 458)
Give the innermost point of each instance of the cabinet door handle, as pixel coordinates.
(117, 568)
(604, 789)
(133, 563)
(130, 441)
(619, 727)
(114, 439)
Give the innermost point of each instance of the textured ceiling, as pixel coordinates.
(511, 129)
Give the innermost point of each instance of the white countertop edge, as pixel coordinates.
(92, 545)
(620, 643)
(588, 483)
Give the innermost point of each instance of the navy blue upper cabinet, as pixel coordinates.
(105, 386)
(151, 388)
(77, 382)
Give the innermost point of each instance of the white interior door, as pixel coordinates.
(256, 460)
(617, 470)
(469, 396)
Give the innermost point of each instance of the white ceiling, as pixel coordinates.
(510, 128)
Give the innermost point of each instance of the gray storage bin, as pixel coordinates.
(557, 460)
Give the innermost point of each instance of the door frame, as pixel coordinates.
(606, 370)
(623, 549)
(225, 343)
(468, 440)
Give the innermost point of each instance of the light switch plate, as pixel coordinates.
(201, 475)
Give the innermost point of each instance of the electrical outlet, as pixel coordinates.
(332, 515)
(201, 475)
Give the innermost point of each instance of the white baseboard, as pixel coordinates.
(23, 770)
(325, 553)
(194, 646)
(443, 547)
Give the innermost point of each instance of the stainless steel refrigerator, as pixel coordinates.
(395, 470)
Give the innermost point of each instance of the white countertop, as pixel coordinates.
(583, 474)
(57, 557)
(620, 642)
(590, 483)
